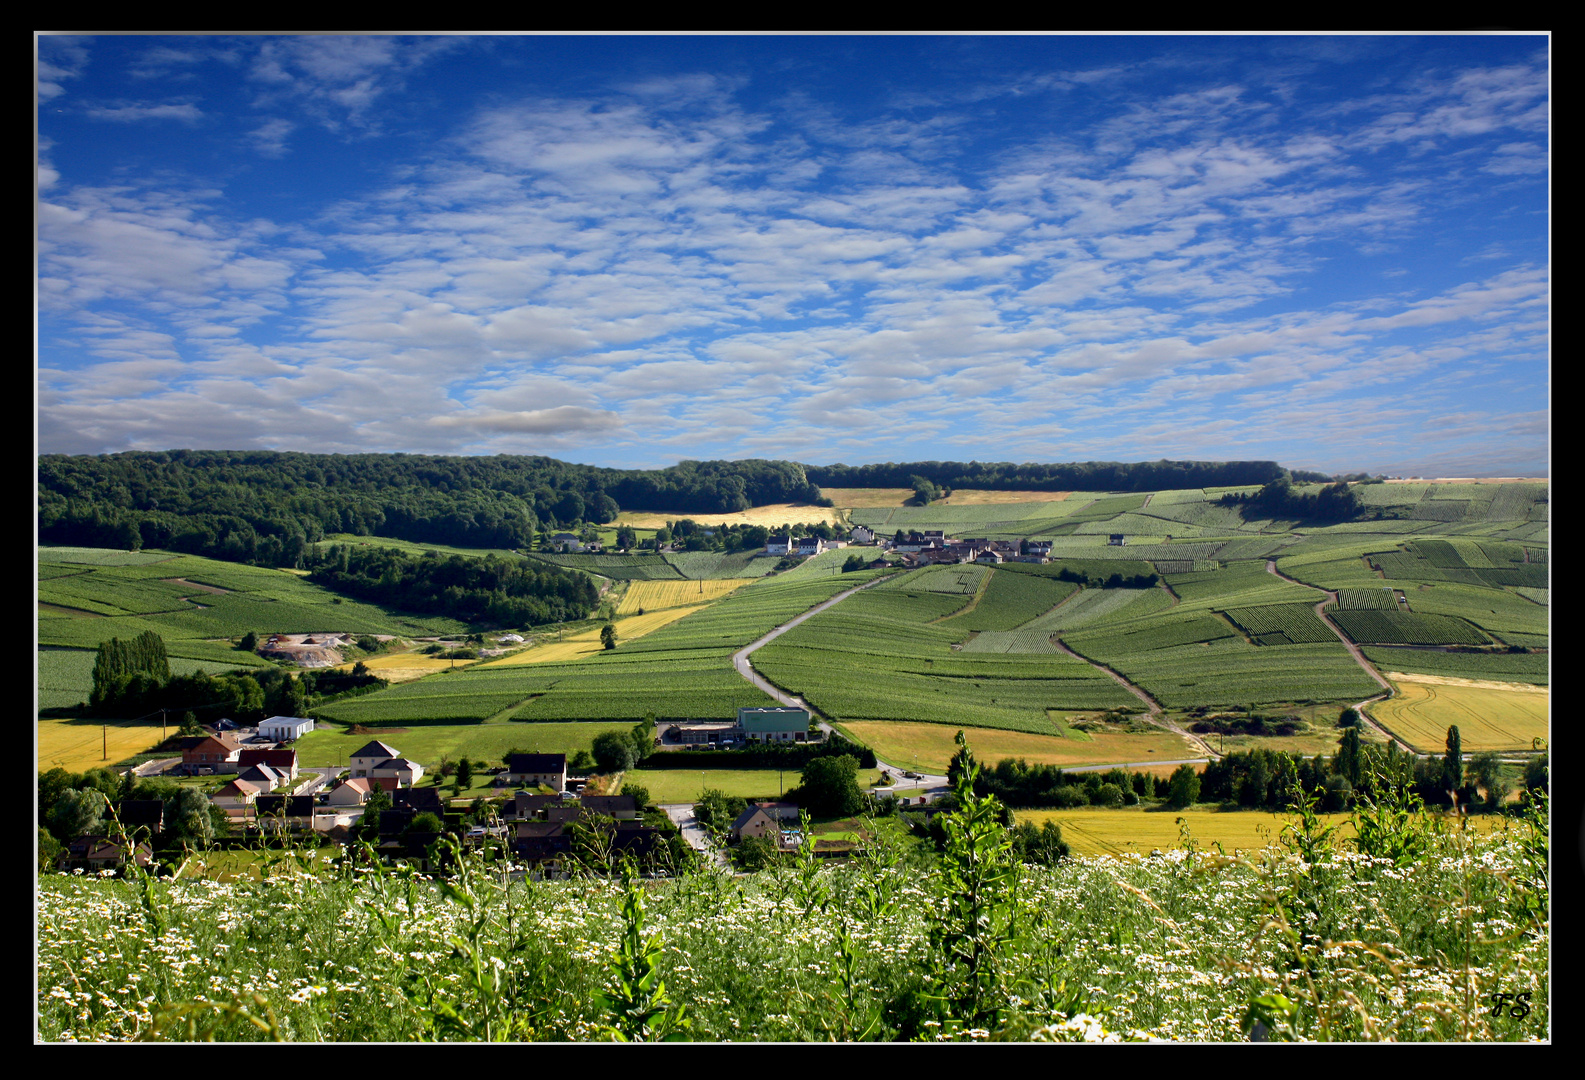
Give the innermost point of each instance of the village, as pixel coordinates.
(266, 794)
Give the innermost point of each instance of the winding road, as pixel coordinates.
(1354, 651)
(745, 669)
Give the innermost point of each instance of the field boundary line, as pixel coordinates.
(974, 601)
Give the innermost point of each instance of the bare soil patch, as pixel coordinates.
(1477, 684)
(196, 585)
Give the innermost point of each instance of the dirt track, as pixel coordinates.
(1353, 650)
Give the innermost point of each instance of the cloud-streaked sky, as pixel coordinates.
(625, 251)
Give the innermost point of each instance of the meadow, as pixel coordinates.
(1317, 939)
(687, 785)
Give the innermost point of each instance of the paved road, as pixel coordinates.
(745, 669)
(681, 815)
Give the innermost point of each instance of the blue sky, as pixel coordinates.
(625, 251)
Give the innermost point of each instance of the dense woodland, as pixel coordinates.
(268, 508)
(507, 592)
(1074, 476)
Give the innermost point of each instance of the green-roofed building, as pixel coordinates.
(774, 725)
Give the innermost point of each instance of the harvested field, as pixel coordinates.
(1141, 830)
(1479, 684)
(1487, 719)
(658, 595)
(932, 745)
(587, 642)
(78, 745)
(848, 498)
(405, 667)
(771, 516)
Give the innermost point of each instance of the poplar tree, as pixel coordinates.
(1453, 762)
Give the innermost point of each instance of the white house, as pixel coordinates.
(861, 535)
(779, 545)
(350, 793)
(285, 728)
(377, 759)
(406, 772)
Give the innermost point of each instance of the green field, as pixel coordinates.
(948, 646)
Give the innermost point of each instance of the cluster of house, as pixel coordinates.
(541, 826)
(757, 725)
(538, 819)
(783, 544)
(932, 547)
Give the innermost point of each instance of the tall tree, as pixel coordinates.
(1183, 788)
(1346, 764)
(1453, 761)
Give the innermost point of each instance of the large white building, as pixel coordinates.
(285, 728)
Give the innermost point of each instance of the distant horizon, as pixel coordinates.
(820, 464)
(629, 249)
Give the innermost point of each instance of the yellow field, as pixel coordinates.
(856, 498)
(1487, 718)
(771, 516)
(932, 745)
(405, 667)
(1111, 832)
(655, 595)
(76, 745)
(587, 642)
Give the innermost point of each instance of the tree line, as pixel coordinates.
(928, 478)
(1278, 499)
(268, 508)
(504, 591)
(241, 694)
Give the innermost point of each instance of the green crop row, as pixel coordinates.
(1282, 624)
(1407, 628)
(1497, 666)
(1013, 599)
(1382, 599)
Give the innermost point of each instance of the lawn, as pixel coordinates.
(428, 743)
(687, 785)
(929, 747)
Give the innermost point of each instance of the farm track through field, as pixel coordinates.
(1152, 706)
(741, 663)
(195, 585)
(974, 601)
(1354, 651)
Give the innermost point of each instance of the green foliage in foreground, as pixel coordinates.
(1313, 939)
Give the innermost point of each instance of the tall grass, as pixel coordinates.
(1312, 939)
